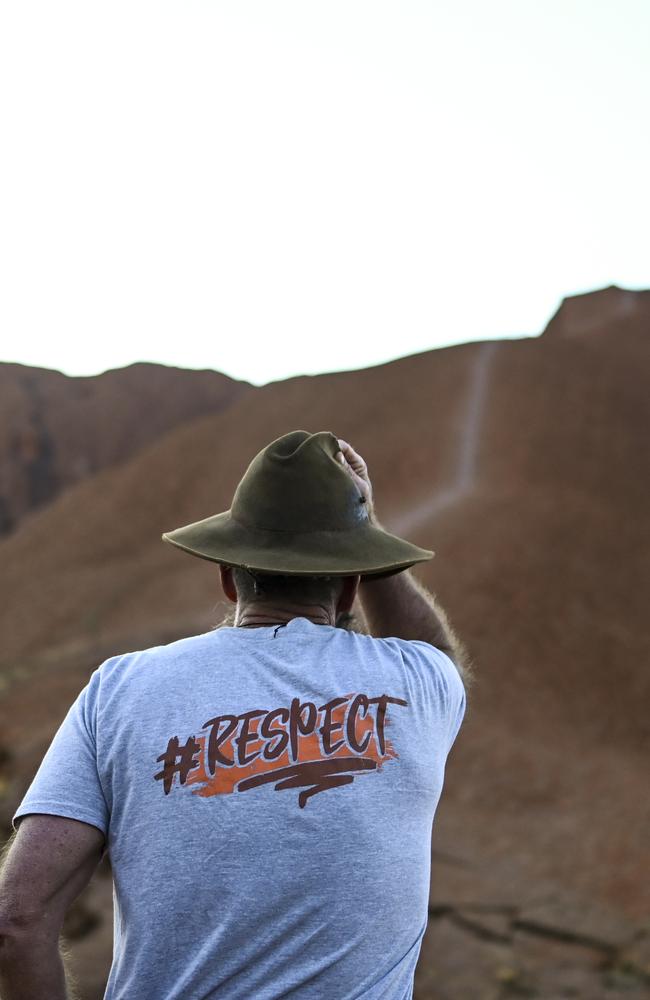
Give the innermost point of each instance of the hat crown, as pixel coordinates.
(298, 511)
(296, 484)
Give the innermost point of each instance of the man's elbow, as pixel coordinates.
(15, 941)
(22, 929)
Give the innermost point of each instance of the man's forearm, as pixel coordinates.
(31, 970)
(399, 605)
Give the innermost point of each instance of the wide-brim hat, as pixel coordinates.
(297, 511)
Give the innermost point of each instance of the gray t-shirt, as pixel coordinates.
(267, 796)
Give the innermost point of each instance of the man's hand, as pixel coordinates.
(358, 470)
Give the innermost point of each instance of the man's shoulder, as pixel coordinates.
(139, 659)
(430, 656)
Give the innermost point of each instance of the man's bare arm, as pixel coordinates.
(47, 864)
(399, 605)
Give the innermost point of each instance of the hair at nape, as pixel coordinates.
(254, 586)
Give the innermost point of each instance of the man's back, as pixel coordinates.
(267, 795)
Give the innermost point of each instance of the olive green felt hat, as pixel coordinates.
(297, 511)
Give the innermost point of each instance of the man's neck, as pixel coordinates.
(260, 616)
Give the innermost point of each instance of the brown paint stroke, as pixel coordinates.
(320, 774)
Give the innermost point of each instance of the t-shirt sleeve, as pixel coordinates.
(449, 690)
(67, 781)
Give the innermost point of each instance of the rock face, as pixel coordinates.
(522, 464)
(56, 430)
(597, 313)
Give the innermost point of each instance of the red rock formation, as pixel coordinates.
(523, 465)
(57, 430)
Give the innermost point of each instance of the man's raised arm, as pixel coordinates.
(399, 605)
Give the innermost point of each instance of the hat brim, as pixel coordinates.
(365, 550)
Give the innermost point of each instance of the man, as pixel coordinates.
(265, 791)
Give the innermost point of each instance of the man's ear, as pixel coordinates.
(227, 583)
(348, 594)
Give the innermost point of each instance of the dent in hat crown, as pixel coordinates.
(296, 484)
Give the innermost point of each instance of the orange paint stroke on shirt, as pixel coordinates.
(226, 779)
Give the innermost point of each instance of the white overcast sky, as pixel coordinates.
(272, 188)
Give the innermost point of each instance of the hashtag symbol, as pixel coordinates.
(177, 760)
